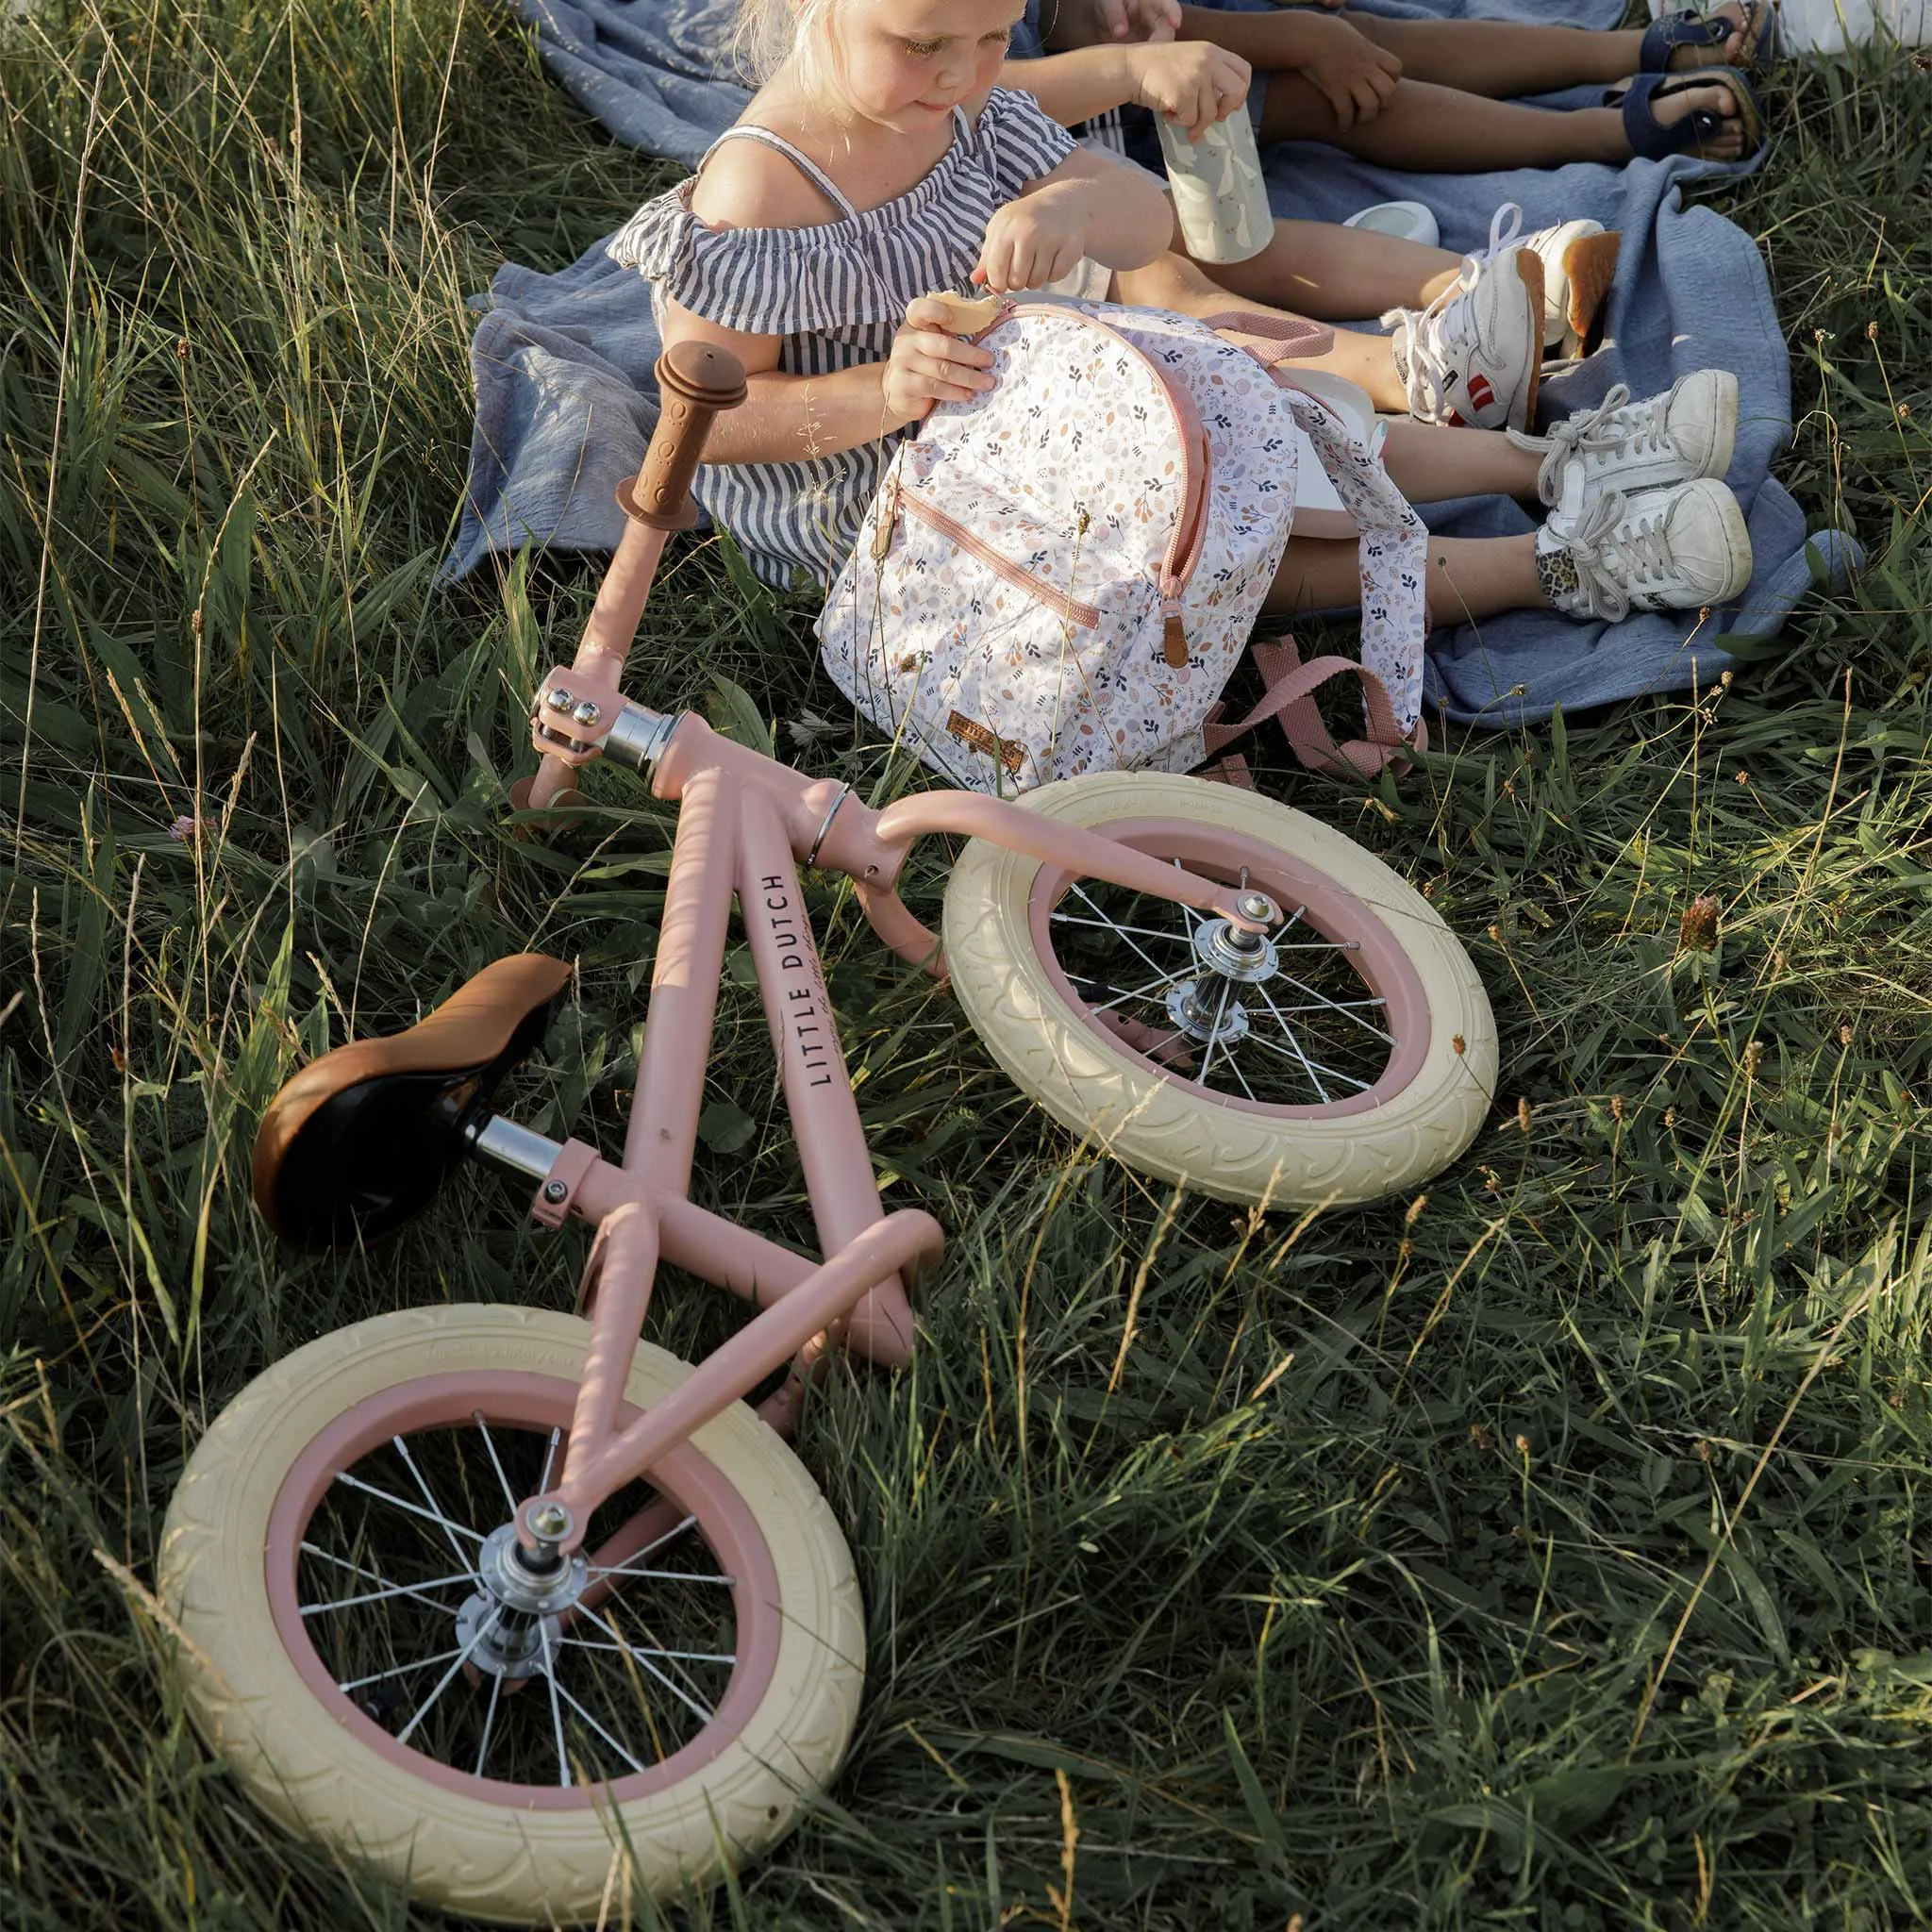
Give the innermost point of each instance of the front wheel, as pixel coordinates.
(344, 1645)
(1354, 1058)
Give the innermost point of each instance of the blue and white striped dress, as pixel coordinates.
(837, 293)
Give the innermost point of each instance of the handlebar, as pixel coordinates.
(696, 381)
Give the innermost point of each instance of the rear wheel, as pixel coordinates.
(1352, 1057)
(333, 1558)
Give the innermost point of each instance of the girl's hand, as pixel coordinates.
(1194, 82)
(1034, 240)
(1355, 75)
(930, 366)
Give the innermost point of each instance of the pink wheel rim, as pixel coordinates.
(1328, 909)
(524, 1399)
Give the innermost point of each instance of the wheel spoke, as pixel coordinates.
(1234, 1066)
(1096, 906)
(701, 1711)
(556, 1720)
(1104, 925)
(1293, 1042)
(1312, 1067)
(661, 1575)
(373, 1575)
(655, 1544)
(436, 1509)
(1214, 1036)
(1142, 992)
(595, 1724)
(355, 1482)
(449, 1676)
(508, 1495)
(421, 1663)
(1323, 1004)
(1335, 1005)
(695, 1657)
(549, 1456)
(376, 1597)
(489, 1721)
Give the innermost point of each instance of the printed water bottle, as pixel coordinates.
(1218, 191)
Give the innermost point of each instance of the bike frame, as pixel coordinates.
(745, 824)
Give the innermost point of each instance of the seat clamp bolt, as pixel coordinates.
(555, 1192)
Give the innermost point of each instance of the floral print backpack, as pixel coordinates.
(1061, 575)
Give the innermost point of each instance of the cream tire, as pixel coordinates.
(494, 1860)
(1170, 1128)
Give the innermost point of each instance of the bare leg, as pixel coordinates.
(1336, 273)
(1499, 58)
(1470, 578)
(1171, 281)
(1439, 130)
(1431, 462)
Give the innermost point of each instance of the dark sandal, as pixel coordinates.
(1652, 140)
(1668, 32)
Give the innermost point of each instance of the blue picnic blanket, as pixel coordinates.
(565, 399)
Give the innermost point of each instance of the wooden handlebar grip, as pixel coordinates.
(695, 381)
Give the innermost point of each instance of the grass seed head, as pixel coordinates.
(1697, 929)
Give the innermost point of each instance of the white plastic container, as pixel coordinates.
(1219, 194)
(1407, 219)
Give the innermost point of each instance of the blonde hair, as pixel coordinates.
(776, 34)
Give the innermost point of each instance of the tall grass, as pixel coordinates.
(1550, 1551)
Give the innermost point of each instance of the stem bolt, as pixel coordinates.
(555, 1192)
(557, 698)
(587, 713)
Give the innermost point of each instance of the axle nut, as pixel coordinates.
(550, 1521)
(1255, 905)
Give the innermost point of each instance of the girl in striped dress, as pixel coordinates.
(881, 162)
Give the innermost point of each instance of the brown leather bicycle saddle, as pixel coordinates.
(362, 1140)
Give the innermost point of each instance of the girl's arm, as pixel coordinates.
(787, 418)
(1196, 84)
(1090, 204)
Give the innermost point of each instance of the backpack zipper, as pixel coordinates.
(1067, 608)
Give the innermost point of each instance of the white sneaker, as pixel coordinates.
(1579, 261)
(1475, 355)
(1675, 549)
(1629, 446)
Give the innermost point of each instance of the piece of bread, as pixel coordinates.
(966, 316)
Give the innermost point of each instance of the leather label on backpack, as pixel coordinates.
(971, 731)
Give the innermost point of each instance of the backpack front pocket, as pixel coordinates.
(1027, 577)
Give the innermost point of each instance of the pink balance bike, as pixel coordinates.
(534, 1616)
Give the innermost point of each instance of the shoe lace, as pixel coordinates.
(1421, 329)
(1616, 553)
(1643, 430)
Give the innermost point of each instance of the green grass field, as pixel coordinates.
(1552, 1551)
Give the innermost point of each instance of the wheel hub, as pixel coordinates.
(515, 1619)
(1207, 1011)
